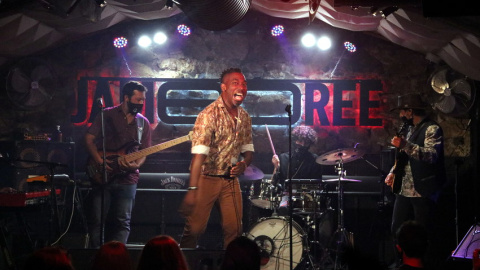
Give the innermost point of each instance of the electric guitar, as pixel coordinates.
(95, 171)
(401, 160)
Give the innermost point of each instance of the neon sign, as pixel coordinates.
(178, 101)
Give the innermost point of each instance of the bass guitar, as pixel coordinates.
(95, 171)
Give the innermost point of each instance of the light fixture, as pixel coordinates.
(144, 41)
(324, 43)
(277, 30)
(184, 30)
(349, 46)
(100, 3)
(120, 42)
(389, 10)
(160, 38)
(308, 40)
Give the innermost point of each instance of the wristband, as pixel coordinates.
(192, 188)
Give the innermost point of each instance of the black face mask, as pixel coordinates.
(406, 121)
(134, 108)
(300, 150)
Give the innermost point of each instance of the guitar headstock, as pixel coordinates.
(190, 135)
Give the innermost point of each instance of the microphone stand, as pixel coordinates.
(104, 175)
(288, 109)
(381, 208)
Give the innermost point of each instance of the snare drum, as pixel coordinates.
(272, 235)
(264, 194)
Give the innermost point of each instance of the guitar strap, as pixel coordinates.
(140, 124)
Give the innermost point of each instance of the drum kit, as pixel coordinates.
(314, 238)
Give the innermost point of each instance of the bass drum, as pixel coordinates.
(272, 235)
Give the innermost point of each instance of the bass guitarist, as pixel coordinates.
(419, 173)
(126, 131)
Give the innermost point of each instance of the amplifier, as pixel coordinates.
(27, 159)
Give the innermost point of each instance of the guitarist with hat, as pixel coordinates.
(419, 171)
(126, 131)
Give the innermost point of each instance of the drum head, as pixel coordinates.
(272, 235)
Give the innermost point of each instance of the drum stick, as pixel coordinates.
(270, 138)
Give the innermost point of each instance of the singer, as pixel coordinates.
(419, 173)
(222, 136)
(126, 130)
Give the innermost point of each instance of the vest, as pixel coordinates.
(427, 178)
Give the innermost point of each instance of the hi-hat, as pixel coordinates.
(333, 180)
(251, 173)
(340, 155)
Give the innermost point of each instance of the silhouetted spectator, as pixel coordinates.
(112, 255)
(49, 258)
(476, 259)
(412, 243)
(241, 254)
(162, 253)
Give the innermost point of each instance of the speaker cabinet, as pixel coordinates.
(34, 158)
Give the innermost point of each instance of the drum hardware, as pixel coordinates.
(343, 238)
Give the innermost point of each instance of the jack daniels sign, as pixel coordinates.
(335, 103)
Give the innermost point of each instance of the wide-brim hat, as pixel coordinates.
(410, 101)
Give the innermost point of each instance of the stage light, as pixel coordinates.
(100, 3)
(324, 43)
(120, 42)
(160, 38)
(277, 30)
(308, 40)
(144, 41)
(184, 30)
(350, 46)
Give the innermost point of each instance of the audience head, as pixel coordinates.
(242, 254)
(49, 258)
(412, 239)
(162, 253)
(112, 255)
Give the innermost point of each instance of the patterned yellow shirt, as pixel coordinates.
(216, 136)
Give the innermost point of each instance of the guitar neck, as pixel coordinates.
(156, 148)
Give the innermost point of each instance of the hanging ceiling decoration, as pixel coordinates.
(214, 15)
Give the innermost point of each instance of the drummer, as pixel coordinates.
(304, 165)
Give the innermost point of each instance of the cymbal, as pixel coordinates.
(334, 157)
(342, 180)
(251, 173)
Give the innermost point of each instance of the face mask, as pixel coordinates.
(406, 121)
(134, 108)
(300, 150)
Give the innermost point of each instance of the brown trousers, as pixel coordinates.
(227, 194)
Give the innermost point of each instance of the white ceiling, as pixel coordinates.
(36, 26)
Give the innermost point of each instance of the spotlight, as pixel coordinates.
(277, 30)
(350, 46)
(100, 3)
(184, 30)
(389, 10)
(120, 42)
(160, 38)
(308, 40)
(324, 43)
(144, 41)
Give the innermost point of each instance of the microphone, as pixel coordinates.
(288, 109)
(100, 102)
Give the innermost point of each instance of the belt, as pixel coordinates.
(221, 176)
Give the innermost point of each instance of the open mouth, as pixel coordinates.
(238, 97)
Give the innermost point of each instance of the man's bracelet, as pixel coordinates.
(192, 188)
